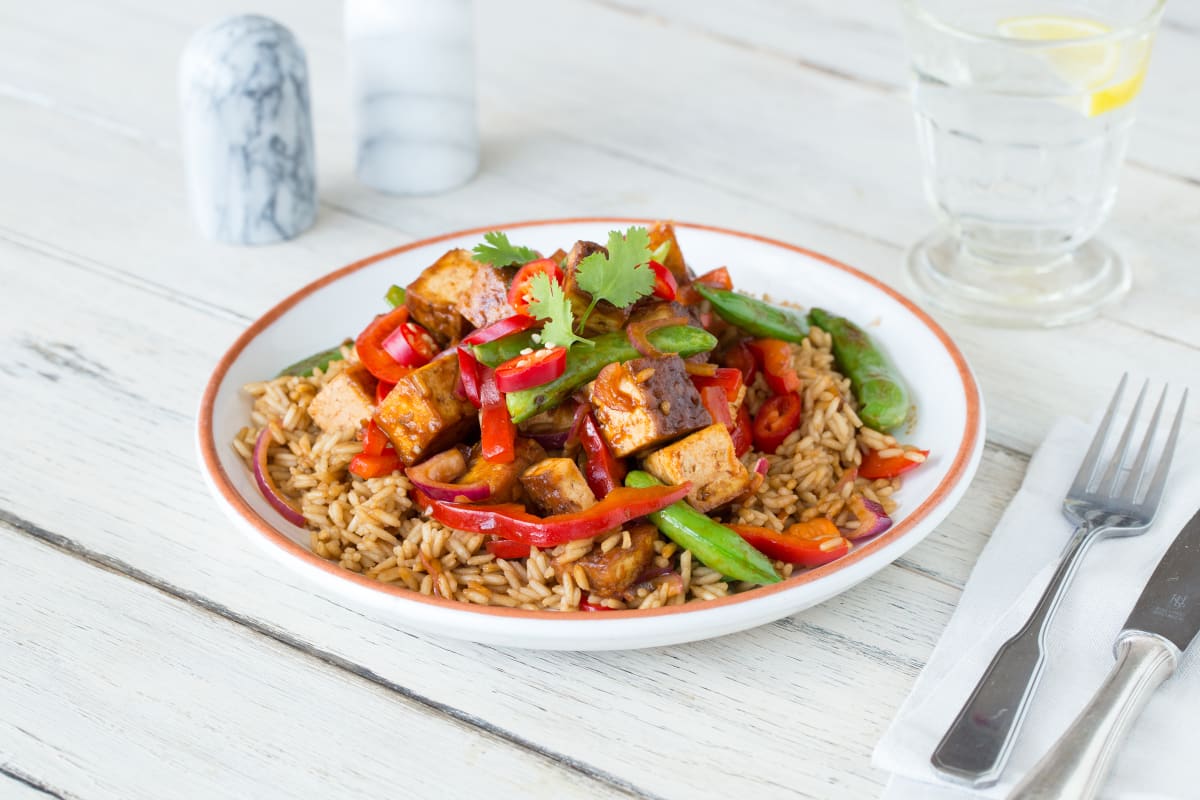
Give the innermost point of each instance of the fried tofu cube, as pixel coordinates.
(436, 296)
(503, 479)
(643, 403)
(707, 459)
(346, 402)
(605, 317)
(610, 574)
(486, 300)
(421, 415)
(557, 486)
(665, 232)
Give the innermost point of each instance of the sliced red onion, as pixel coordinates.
(638, 334)
(266, 484)
(553, 440)
(762, 466)
(435, 477)
(872, 519)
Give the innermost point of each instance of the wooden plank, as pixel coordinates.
(134, 502)
(864, 43)
(808, 180)
(117, 691)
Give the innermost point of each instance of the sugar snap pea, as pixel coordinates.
(756, 317)
(305, 366)
(883, 398)
(585, 363)
(717, 546)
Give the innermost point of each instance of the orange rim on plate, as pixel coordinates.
(208, 447)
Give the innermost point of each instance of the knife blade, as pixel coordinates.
(1170, 604)
(1164, 621)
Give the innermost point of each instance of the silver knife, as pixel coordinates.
(1163, 623)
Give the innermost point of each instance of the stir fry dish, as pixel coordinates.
(588, 430)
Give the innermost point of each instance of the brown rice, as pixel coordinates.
(371, 527)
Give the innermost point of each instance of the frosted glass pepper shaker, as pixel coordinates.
(412, 86)
(247, 132)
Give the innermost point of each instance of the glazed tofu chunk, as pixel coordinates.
(610, 574)
(346, 402)
(486, 300)
(436, 296)
(557, 487)
(644, 403)
(421, 415)
(605, 317)
(503, 479)
(665, 232)
(707, 459)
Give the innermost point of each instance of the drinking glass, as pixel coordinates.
(1023, 112)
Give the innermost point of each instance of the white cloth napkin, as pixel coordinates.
(1160, 758)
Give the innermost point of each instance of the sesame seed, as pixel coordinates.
(527, 351)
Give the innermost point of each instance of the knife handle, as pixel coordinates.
(1079, 761)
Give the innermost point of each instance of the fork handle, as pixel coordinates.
(977, 745)
(1078, 762)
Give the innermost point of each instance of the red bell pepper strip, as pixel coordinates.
(382, 390)
(717, 405)
(507, 549)
(535, 369)
(498, 330)
(499, 437)
(604, 471)
(365, 466)
(808, 544)
(374, 440)
(584, 605)
(665, 286)
(369, 346)
(777, 418)
(518, 292)
(742, 433)
(874, 467)
(740, 358)
(717, 278)
(513, 522)
(727, 378)
(774, 357)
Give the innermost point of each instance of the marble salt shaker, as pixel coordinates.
(247, 132)
(412, 86)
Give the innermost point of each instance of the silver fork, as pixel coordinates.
(1106, 499)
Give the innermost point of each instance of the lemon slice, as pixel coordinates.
(1090, 66)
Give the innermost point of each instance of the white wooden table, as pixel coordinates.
(148, 650)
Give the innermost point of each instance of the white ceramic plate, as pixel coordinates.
(950, 423)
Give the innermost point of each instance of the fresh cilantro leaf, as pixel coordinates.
(499, 252)
(547, 301)
(622, 277)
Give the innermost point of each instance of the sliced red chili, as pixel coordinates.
(778, 417)
(499, 435)
(513, 522)
(506, 549)
(411, 345)
(369, 346)
(365, 466)
(809, 544)
(727, 379)
(518, 292)
(774, 357)
(603, 471)
(875, 467)
(527, 371)
(665, 285)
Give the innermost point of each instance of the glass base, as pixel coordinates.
(1071, 288)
